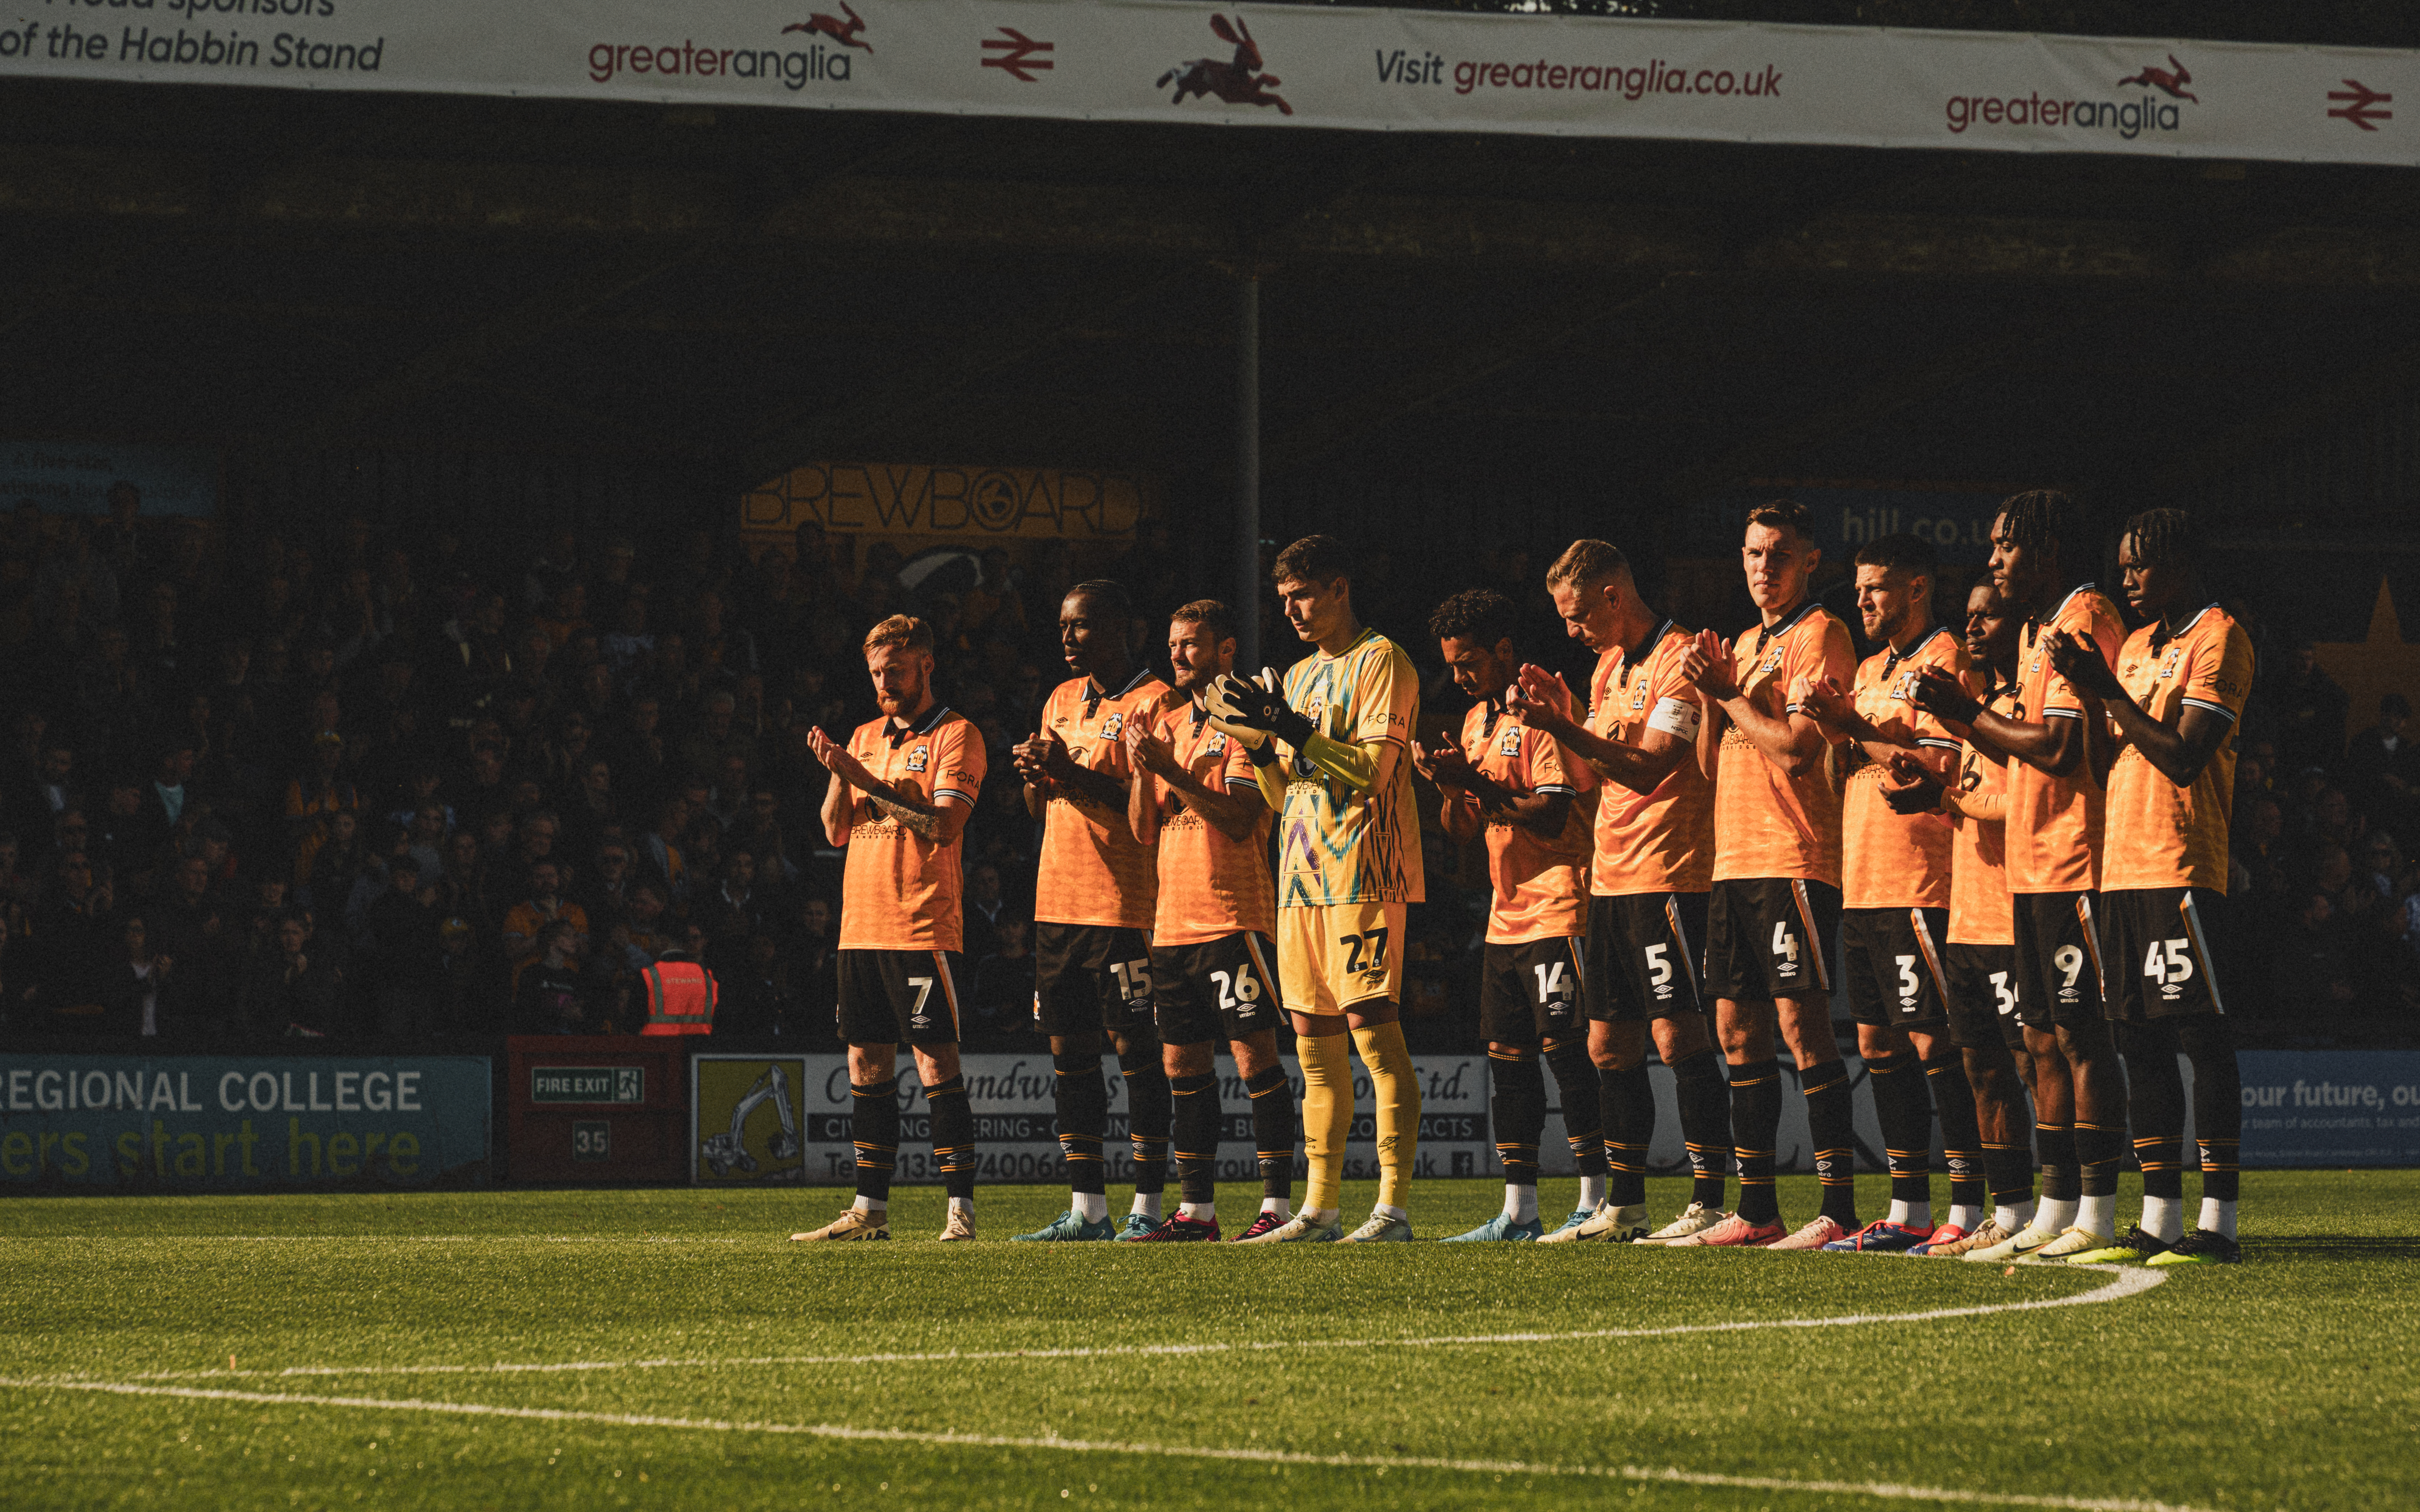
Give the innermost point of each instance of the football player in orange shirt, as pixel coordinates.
(901, 792)
(1775, 909)
(1095, 890)
(2054, 838)
(1195, 793)
(1653, 862)
(1895, 900)
(1512, 784)
(2174, 700)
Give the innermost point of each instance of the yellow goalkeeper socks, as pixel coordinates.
(1327, 1116)
(1396, 1088)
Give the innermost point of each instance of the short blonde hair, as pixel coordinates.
(900, 631)
(1586, 561)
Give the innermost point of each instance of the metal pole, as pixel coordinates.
(1247, 474)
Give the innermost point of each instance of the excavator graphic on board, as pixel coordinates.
(727, 1152)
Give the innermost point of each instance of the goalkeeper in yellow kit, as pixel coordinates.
(1331, 755)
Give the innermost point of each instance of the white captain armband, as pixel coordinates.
(1677, 717)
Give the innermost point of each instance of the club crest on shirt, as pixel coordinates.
(920, 757)
(1111, 726)
(1509, 743)
(1215, 745)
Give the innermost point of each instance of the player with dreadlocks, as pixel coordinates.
(2173, 703)
(2054, 837)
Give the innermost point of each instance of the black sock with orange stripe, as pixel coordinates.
(1905, 1112)
(1629, 1102)
(1705, 1124)
(2208, 1042)
(1082, 1102)
(2060, 1180)
(1831, 1124)
(1962, 1132)
(1519, 1112)
(1756, 1131)
(954, 1135)
(1273, 1130)
(1195, 1123)
(874, 1129)
(1149, 1113)
(1585, 1119)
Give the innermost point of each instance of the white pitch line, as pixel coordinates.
(1887, 1490)
(2124, 1283)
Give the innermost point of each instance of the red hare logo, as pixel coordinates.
(1238, 82)
(2170, 81)
(844, 33)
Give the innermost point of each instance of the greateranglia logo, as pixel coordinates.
(1238, 81)
(2163, 110)
(790, 66)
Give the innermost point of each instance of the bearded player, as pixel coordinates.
(1894, 899)
(1095, 893)
(1195, 796)
(900, 795)
(1513, 785)
(1653, 856)
(1349, 864)
(2173, 700)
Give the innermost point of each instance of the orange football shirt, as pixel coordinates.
(1210, 887)
(900, 892)
(1664, 840)
(1768, 823)
(2054, 822)
(1540, 884)
(2162, 835)
(1092, 870)
(1980, 910)
(1893, 860)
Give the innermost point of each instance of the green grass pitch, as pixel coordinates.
(700, 1361)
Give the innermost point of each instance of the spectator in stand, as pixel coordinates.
(753, 999)
(984, 902)
(2311, 978)
(810, 966)
(398, 940)
(525, 935)
(297, 990)
(2382, 769)
(135, 998)
(187, 926)
(2309, 710)
(75, 938)
(548, 997)
(1002, 1010)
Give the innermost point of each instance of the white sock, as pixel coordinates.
(1382, 1210)
(1965, 1217)
(2098, 1215)
(1206, 1211)
(1093, 1207)
(1146, 1203)
(966, 1205)
(1521, 1203)
(2055, 1215)
(1902, 1213)
(866, 1204)
(1592, 1193)
(2217, 1217)
(1283, 1207)
(2012, 1219)
(2163, 1218)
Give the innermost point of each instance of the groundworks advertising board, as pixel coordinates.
(242, 1123)
(1277, 67)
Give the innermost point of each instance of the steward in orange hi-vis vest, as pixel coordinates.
(680, 998)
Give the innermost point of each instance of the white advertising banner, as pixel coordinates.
(1289, 66)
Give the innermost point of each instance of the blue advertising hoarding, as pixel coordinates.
(242, 1123)
(2331, 1108)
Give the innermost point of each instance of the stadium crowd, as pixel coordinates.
(381, 786)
